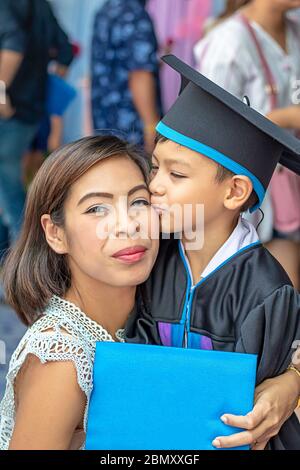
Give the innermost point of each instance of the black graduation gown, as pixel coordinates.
(247, 305)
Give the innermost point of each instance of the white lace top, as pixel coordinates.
(63, 333)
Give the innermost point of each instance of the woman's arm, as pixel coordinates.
(49, 406)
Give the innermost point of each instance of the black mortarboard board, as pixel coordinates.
(208, 119)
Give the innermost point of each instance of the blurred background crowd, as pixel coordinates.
(70, 68)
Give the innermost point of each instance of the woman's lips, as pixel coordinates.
(131, 255)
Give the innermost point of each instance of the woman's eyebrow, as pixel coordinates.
(111, 196)
(138, 188)
(95, 194)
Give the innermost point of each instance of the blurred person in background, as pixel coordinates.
(77, 19)
(255, 52)
(125, 78)
(50, 134)
(28, 31)
(178, 25)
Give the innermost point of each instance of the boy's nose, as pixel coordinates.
(156, 188)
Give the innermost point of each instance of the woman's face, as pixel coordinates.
(108, 223)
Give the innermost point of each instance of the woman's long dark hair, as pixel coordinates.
(33, 272)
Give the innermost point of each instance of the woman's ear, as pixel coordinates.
(55, 235)
(238, 192)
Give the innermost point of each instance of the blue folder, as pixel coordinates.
(165, 398)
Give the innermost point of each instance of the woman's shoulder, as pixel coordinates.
(226, 39)
(55, 351)
(230, 29)
(50, 374)
(69, 318)
(53, 329)
(50, 391)
(53, 338)
(63, 333)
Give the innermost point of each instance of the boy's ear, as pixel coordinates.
(55, 236)
(238, 191)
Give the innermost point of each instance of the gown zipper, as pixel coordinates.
(187, 319)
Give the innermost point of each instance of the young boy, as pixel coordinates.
(230, 294)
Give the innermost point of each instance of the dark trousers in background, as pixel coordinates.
(15, 138)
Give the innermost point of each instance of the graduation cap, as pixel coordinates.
(211, 121)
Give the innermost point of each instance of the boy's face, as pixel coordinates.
(182, 177)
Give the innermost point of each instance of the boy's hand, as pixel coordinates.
(275, 401)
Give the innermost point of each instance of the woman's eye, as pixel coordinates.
(141, 202)
(99, 210)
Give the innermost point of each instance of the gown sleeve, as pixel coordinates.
(272, 331)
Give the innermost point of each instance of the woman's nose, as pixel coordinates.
(127, 225)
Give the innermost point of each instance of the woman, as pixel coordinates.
(255, 52)
(72, 279)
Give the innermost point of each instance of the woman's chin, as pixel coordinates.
(132, 279)
(139, 278)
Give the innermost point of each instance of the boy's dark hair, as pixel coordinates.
(33, 272)
(221, 175)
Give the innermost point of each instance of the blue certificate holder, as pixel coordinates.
(165, 398)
